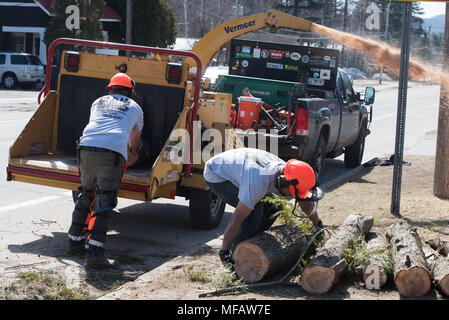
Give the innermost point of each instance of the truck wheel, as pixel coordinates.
(319, 158)
(9, 80)
(354, 153)
(205, 209)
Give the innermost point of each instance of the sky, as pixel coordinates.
(432, 9)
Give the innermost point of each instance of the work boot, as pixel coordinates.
(76, 248)
(96, 259)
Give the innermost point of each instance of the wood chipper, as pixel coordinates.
(45, 151)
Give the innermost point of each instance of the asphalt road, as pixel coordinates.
(35, 219)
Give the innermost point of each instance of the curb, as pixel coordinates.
(347, 175)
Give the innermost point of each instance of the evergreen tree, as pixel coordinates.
(307, 9)
(153, 23)
(91, 12)
(395, 23)
(437, 40)
(57, 26)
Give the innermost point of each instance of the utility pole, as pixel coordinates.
(345, 18)
(202, 8)
(129, 23)
(186, 28)
(441, 175)
(323, 5)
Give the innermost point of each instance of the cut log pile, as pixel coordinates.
(280, 247)
(325, 267)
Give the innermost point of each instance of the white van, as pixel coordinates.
(20, 68)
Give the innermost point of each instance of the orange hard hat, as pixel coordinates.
(122, 80)
(304, 175)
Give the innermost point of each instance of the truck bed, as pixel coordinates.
(66, 164)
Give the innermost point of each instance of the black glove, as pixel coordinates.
(225, 257)
(320, 224)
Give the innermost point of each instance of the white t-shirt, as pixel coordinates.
(112, 118)
(253, 171)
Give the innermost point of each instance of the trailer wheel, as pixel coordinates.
(354, 153)
(319, 158)
(205, 209)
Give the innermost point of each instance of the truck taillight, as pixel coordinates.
(174, 73)
(302, 122)
(72, 61)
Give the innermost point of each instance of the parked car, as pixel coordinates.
(20, 68)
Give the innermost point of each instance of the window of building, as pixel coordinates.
(37, 45)
(19, 43)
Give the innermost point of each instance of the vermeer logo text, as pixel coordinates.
(240, 26)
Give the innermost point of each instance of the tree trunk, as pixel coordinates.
(324, 268)
(441, 174)
(269, 252)
(440, 245)
(411, 276)
(374, 274)
(439, 271)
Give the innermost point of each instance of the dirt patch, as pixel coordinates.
(369, 193)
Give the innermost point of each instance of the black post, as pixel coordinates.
(402, 104)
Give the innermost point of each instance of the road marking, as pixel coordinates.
(15, 120)
(394, 114)
(18, 99)
(384, 117)
(32, 202)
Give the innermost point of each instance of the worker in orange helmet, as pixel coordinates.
(242, 177)
(110, 142)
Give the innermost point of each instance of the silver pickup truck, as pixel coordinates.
(331, 127)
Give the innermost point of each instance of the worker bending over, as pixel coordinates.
(109, 144)
(242, 177)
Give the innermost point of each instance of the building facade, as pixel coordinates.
(23, 24)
